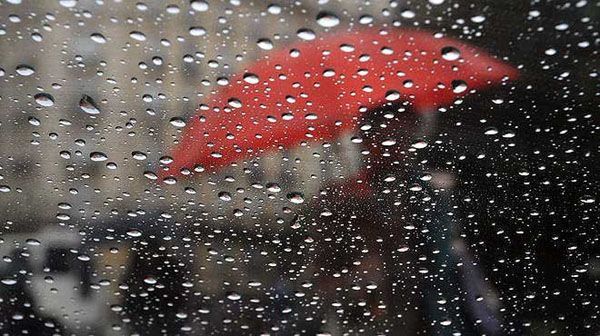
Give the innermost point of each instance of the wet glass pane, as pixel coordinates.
(330, 167)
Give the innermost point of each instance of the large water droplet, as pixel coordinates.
(306, 34)
(327, 19)
(139, 155)
(25, 70)
(137, 35)
(459, 86)
(98, 38)
(392, 95)
(234, 296)
(177, 122)
(98, 156)
(225, 196)
(419, 144)
(8, 281)
(44, 99)
(296, 197)
(251, 78)
(264, 44)
(199, 5)
(197, 31)
(88, 105)
(450, 53)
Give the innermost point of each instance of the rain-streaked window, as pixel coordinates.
(322, 167)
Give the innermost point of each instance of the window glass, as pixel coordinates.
(330, 167)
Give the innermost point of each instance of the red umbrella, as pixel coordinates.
(314, 90)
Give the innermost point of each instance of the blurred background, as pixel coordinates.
(93, 97)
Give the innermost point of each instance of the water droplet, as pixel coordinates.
(150, 280)
(234, 296)
(98, 38)
(587, 199)
(44, 99)
(98, 156)
(34, 121)
(139, 155)
(450, 53)
(392, 95)
(150, 175)
(459, 86)
(9, 282)
(491, 131)
(234, 102)
(264, 44)
(419, 144)
(408, 14)
(251, 78)
(388, 142)
(478, 19)
(68, 3)
(366, 19)
(25, 70)
(88, 105)
(295, 197)
(137, 35)
(273, 187)
(197, 31)
(33, 242)
(306, 34)
(327, 19)
(177, 122)
(199, 5)
(134, 233)
(225, 196)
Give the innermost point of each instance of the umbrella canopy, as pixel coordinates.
(313, 90)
